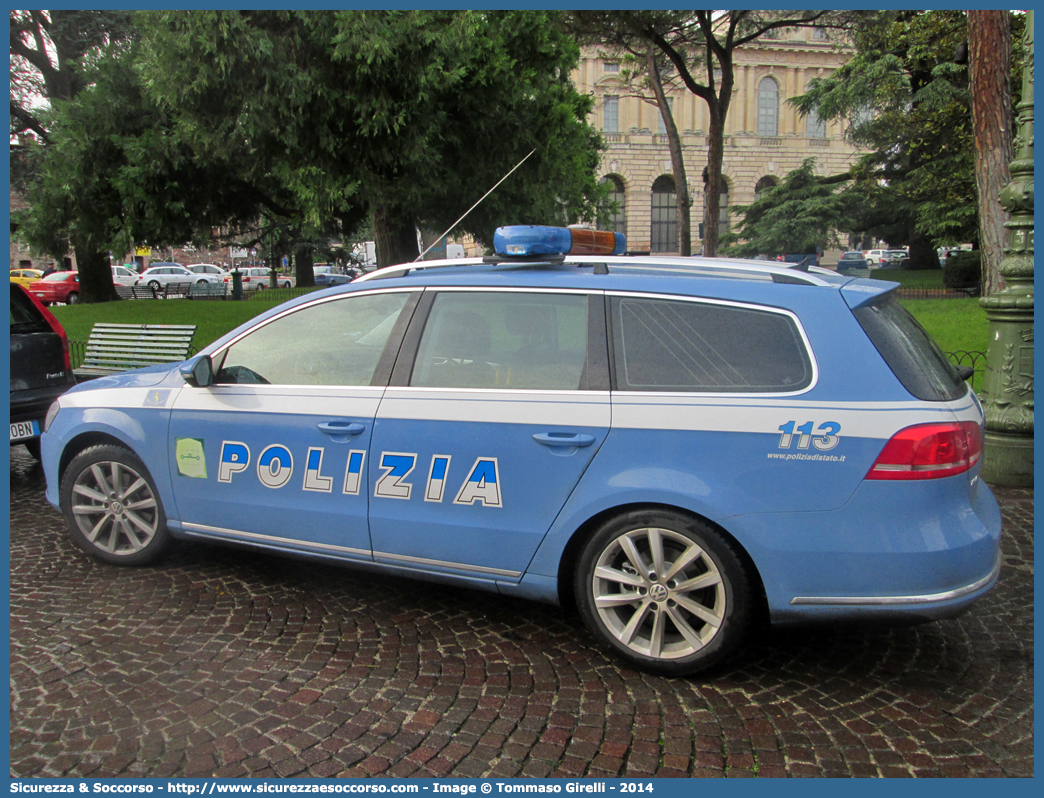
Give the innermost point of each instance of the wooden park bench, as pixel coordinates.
(113, 348)
(135, 292)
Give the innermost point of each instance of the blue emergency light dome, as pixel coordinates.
(535, 240)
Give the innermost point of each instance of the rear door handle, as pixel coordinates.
(341, 428)
(567, 439)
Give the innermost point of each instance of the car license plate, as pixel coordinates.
(20, 430)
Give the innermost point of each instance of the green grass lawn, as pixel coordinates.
(956, 324)
(212, 318)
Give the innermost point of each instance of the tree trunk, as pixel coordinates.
(681, 182)
(989, 66)
(95, 274)
(712, 188)
(395, 236)
(275, 263)
(922, 250)
(303, 263)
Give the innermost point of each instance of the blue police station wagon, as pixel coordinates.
(671, 445)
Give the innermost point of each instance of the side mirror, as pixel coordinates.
(198, 373)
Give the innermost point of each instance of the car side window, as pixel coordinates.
(506, 340)
(669, 345)
(336, 342)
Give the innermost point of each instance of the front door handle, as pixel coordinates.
(341, 429)
(564, 439)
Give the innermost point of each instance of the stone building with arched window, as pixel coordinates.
(765, 136)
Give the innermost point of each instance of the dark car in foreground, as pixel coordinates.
(40, 367)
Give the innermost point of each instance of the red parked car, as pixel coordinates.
(57, 287)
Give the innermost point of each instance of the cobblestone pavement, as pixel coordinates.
(230, 663)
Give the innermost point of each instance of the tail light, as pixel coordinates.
(929, 451)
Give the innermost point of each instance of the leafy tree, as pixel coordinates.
(401, 117)
(801, 213)
(53, 57)
(906, 93)
(112, 174)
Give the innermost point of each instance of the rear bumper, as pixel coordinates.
(923, 607)
(894, 552)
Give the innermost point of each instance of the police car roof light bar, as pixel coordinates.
(530, 240)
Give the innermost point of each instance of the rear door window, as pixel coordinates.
(706, 347)
(506, 340)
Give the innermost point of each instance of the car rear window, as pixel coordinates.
(915, 359)
(25, 318)
(675, 345)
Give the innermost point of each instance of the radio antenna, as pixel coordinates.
(469, 210)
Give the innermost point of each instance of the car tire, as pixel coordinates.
(286, 285)
(33, 447)
(112, 507)
(202, 281)
(72, 299)
(664, 591)
(154, 285)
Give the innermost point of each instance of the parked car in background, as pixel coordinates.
(873, 256)
(57, 287)
(895, 259)
(207, 268)
(326, 275)
(173, 274)
(258, 278)
(25, 276)
(121, 275)
(852, 260)
(40, 367)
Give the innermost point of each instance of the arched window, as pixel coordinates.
(764, 185)
(618, 223)
(664, 233)
(768, 107)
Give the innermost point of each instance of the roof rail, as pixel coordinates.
(777, 271)
(800, 274)
(405, 268)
